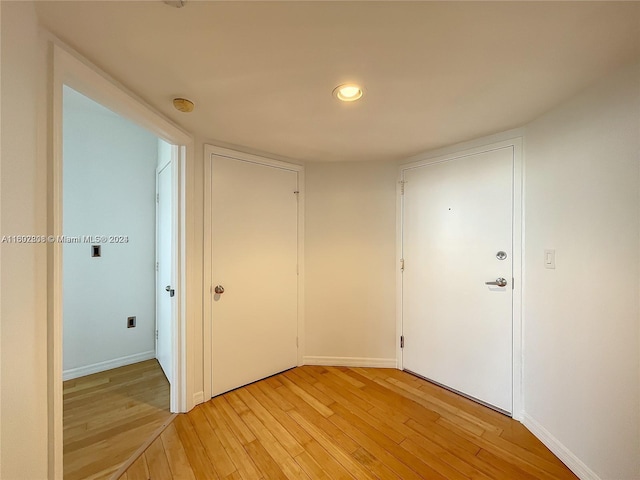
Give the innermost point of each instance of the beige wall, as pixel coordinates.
(23, 311)
(582, 328)
(350, 293)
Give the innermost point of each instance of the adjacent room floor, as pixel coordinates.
(334, 423)
(109, 415)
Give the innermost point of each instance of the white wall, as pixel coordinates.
(23, 311)
(582, 364)
(109, 189)
(350, 222)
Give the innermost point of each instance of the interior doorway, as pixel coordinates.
(116, 234)
(71, 70)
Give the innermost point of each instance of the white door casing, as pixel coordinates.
(457, 214)
(164, 273)
(254, 257)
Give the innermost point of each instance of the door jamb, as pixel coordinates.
(514, 139)
(70, 68)
(209, 152)
(171, 164)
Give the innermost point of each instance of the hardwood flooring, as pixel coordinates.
(342, 423)
(109, 415)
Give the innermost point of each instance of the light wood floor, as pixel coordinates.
(343, 423)
(109, 415)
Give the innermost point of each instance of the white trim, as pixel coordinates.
(209, 152)
(69, 68)
(107, 365)
(454, 150)
(399, 256)
(198, 398)
(494, 142)
(352, 362)
(558, 449)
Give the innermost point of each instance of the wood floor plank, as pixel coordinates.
(329, 384)
(442, 460)
(274, 448)
(318, 420)
(340, 423)
(107, 416)
(374, 465)
(311, 467)
(176, 455)
(398, 459)
(157, 462)
(266, 464)
(211, 443)
(330, 465)
(280, 415)
(287, 440)
(243, 462)
(196, 453)
(325, 441)
(316, 404)
(138, 470)
(240, 429)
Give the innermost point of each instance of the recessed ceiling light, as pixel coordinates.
(183, 105)
(349, 92)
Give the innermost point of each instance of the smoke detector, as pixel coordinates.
(183, 105)
(175, 3)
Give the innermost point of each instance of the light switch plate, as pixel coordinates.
(550, 259)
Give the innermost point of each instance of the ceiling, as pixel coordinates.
(434, 73)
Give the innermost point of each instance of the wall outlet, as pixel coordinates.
(131, 322)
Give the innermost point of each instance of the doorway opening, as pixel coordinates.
(117, 250)
(110, 184)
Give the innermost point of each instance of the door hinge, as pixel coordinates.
(157, 266)
(156, 334)
(512, 283)
(297, 344)
(401, 341)
(402, 264)
(402, 182)
(157, 198)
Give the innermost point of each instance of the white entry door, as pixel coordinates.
(457, 235)
(164, 295)
(254, 257)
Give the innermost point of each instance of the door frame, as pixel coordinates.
(171, 164)
(71, 69)
(512, 138)
(209, 152)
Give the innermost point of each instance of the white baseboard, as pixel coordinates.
(352, 362)
(559, 450)
(107, 365)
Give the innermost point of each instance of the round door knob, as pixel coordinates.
(219, 289)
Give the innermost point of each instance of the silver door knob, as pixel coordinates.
(219, 289)
(500, 282)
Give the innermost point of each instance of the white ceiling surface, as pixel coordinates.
(434, 73)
